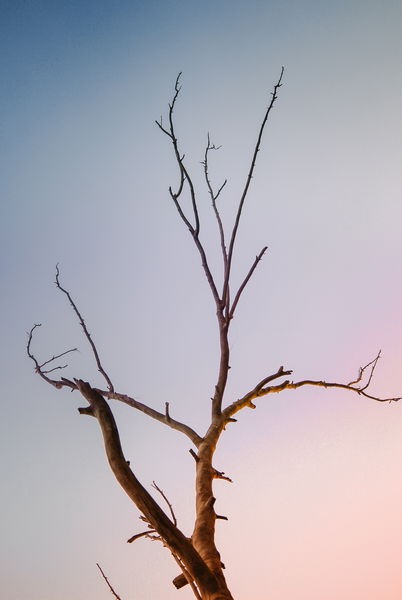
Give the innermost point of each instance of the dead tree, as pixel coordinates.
(197, 556)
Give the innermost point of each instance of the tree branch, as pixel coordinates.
(246, 187)
(158, 489)
(221, 475)
(246, 400)
(260, 390)
(196, 229)
(185, 176)
(154, 414)
(107, 581)
(139, 535)
(56, 357)
(214, 196)
(86, 332)
(184, 578)
(326, 384)
(373, 365)
(38, 367)
(110, 394)
(245, 282)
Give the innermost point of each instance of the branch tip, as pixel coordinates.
(85, 330)
(108, 583)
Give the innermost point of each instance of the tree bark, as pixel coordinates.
(200, 559)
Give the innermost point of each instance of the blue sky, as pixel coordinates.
(85, 173)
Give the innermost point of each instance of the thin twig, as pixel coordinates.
(326, 384)
(107, 581)
(214, 196)
(158, 489)
(180, 158)
(247, 185)
(139, 535)
(260, 391)
(55, 369)
(187, 576)
(86, 332)
(184, 174)
(362, 370)
(245, 282)
(58, 356)
(55, 383)
(185, 177)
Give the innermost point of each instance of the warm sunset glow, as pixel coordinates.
(314, 507)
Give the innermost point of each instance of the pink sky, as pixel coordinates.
(314, 510)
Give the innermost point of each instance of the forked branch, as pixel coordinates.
(184, 174)
(261, 389)
(63, 382)
(225, 310)
(39, 367)
(362, 370)
(185, 177)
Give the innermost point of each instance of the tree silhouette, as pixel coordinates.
(196, 555)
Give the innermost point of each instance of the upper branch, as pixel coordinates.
(181, 158)
(247, 185)
(214, 196)
(231, 309)
(86, 332)
(184, 174)
(108, 582)
(185, 177)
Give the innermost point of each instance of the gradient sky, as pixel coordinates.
(315, 507)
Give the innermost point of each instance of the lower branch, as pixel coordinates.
(261, 389)
(164, 418)
(326, 384)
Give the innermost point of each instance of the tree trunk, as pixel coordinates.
(202, 563)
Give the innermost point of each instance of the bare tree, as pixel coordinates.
(197, 556)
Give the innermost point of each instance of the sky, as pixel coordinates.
(314, 507)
